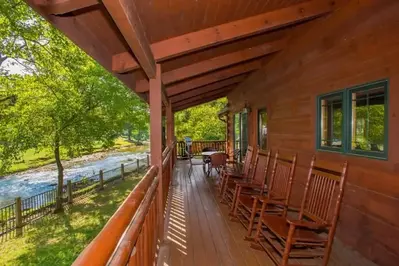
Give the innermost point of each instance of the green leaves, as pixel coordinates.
(63, 91)
(201, 122)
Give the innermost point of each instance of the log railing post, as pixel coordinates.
(148, 160)
(138, 165)
(101, 175)
(122, 171)
(69, 191)
(18, 216)
(155, 98)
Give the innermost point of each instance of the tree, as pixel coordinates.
(201, 122)
(64, 98)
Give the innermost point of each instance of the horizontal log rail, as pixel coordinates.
(132, 234)
(198, 145)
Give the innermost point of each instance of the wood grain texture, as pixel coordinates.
(164, 19)
(125, 15)
(220, 34)
(353, 46)
(198, 230)
(213, 77)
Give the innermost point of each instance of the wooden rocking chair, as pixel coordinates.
(247, 208)
(312, 234)
(229, 173)
(252, 186)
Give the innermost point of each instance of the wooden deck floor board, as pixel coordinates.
(198, 231)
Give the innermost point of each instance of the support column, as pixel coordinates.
(169, 135)
(156, 138)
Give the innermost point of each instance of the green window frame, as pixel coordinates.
(355, 103)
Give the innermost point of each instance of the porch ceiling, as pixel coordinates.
(205, 48)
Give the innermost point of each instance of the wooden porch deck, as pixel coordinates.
(197, 228)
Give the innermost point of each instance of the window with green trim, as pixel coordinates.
(262, 129)
(354, 120)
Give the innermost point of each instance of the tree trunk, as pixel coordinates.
(60, 185)
(129, 134)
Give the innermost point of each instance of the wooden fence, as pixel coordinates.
(198, 145)
(131, 235)
(22, 212)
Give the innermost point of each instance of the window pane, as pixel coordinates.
(262, 129)
(331, 121)
(237, 127)
(368, 120)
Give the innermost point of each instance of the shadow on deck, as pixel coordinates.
(198, 230)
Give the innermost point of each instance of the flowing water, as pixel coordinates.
(38, 180)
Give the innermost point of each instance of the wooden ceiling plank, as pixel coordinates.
(243, 28)
(208, 88)
(213, 77)
(205, 94)
(125, 15)
(59, 7)
(221, 62)
(202, 101)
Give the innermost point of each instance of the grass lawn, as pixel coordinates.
(58, 239)
(33, 158)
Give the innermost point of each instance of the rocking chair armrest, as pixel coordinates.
(263, 199)
(301, 223)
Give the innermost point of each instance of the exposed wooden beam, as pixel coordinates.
(204, 89)
(59, 7)
(213, 77)
(125, 15)
(228, 32)
(198, 102)
(225, 89)
(221, 62)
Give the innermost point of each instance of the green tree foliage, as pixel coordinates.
(63, 99)
(201, 122)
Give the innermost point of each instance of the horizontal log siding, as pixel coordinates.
(357, 44)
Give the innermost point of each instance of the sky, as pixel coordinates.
(13, 67)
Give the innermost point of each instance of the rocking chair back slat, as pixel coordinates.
(320, 192)
(282, 176)
(248, 160)
(261, 165)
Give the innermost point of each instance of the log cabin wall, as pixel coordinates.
(356, 44)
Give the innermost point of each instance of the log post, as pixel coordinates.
(69, 191)
(148, 160)
(18, 216)
(156, 140)
(101, 175)
(138, 165)
(122, 171)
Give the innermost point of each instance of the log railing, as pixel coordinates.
(132, 234)
(198, 145)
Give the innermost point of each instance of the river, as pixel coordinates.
(38, 180)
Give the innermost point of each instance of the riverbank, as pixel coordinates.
(32, 159)
(59, 239)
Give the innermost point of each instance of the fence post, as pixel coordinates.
(18, 216)
(148, 160)
(101, 180)
(138, 165)
(69, 191)
(122, 171)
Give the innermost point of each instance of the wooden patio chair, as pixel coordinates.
(231, 180)
(247, 208)
(217, 161)
(232, 173)
(311, 235)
